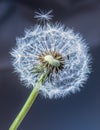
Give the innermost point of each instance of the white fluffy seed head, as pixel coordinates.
(46, 38)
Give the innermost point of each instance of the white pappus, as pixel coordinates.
(47, 41)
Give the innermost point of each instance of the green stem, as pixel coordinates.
(28, 103)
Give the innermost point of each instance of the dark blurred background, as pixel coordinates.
(80, 111)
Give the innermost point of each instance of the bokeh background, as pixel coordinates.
(80, 111)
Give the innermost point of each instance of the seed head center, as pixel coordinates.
(52, 61)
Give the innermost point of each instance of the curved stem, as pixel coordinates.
(28, 103)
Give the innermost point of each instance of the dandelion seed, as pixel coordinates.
(43, 15)
(54, 49)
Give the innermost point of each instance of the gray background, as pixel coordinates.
(80, 111)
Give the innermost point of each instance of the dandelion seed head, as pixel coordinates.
(41, 45)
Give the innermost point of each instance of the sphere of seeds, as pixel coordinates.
(55, 40)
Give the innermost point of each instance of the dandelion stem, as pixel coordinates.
(28, 103)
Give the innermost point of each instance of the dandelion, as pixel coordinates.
(52, 59)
